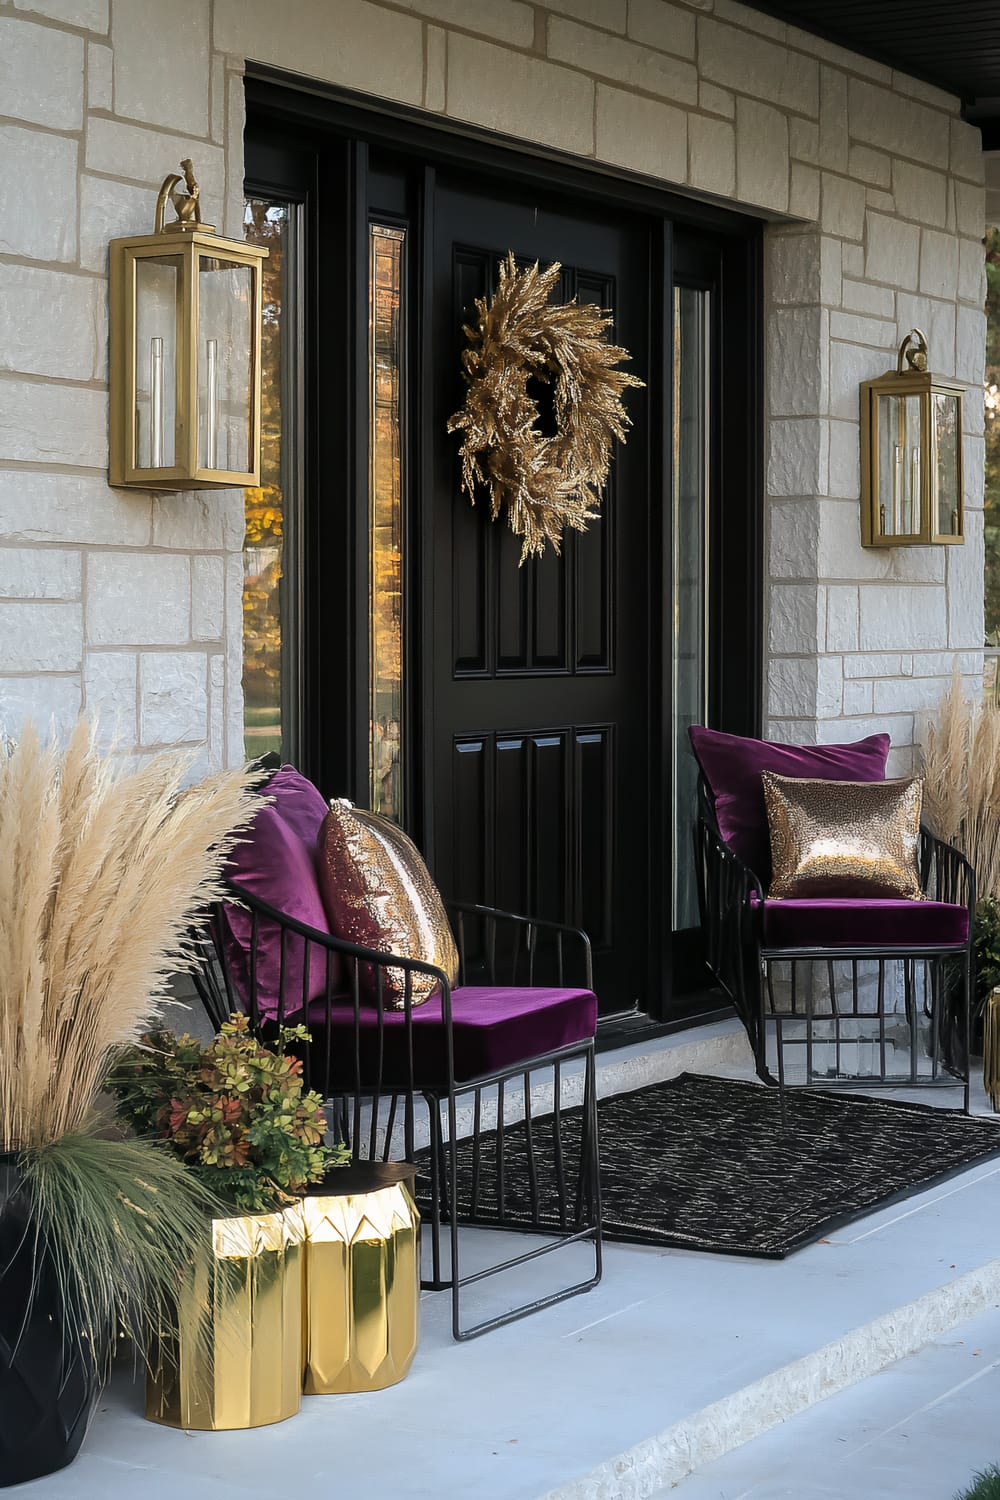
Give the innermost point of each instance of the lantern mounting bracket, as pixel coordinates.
(914, 348)
(185, 204)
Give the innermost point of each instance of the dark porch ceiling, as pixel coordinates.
(954, 44)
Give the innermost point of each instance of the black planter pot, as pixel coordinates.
(48, 1383)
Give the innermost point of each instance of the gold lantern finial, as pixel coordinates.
(914, 348)
(185, 204)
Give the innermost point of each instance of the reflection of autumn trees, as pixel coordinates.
(265, 224)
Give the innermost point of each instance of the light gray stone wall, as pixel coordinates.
(872, 185)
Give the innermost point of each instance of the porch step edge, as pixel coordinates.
(663, 1460)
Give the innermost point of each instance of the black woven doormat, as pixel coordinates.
(704, 1163)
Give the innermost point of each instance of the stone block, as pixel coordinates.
(711, 155)
(40, 573)
(37, 194)
(859, 296)
(38, 507)
(850, 364)
(902, 126)
(899, 727)
(110, 210)
(883, 203)
(761, 155)
(796, 618)
(803, 192)
(791, 731)
(172, 89)
(217, 102)
(41, 74)
(855, 329)
(970, 349)
(916, 565)
(363, 47)
(803, 140)
(926, 92)
(609, 14)
(873, 167)
(967, 158)
(110, 687)
(753, 65)
(99, 76)
(85, 15)
(504, 20)
(909, 694)
(797, 341)
(208, 601)
(793, 268)
(657, 23)
(859, 697)
(970, 209)
(973, 465)
(938, 264)
(798, 456)
(41, 636)
(919, 193)
(528, 96)
(854, 260)
(971, 272)
(842, 618)
(136, 599)
(435, 89)
(881, 664)
(641, 134)
(845, 460)
(51, 323)
(189, 522)
(905, 617)
(622, 61)
(843, 206)
(794, 541)
(829, 686)
(750, 20)
(839, 553)
(791, 686)
(217, 712)
(833, 148)
(236, 119)
(715, 100)
(140, 154)
(841, 57)
(892, 251)
(50, 702)
(59, 424)
(173, 697)
(964, 572)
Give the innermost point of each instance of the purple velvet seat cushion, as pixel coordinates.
(493, 1027)
(278, 863)
(732, 766)
(859, 923)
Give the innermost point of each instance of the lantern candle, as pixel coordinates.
(156, 403)
(212, 399)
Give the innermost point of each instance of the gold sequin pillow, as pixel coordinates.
(843, 838)
(379, 893)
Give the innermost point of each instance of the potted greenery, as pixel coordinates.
(985, 1485)
(236, 1113)
(103, 870)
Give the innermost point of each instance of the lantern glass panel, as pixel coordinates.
(899, 465)
(225, 363)
(156, 298)
(946, 440)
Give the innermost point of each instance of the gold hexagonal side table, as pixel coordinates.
(361, 1303)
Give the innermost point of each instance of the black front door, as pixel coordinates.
(538, 677)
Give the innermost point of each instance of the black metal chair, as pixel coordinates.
(748, 936)
(458, 1053)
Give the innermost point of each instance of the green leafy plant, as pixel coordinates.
(985, 1485)
(235, 1111)
(986, 951)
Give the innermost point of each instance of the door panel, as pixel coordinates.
(540, 675)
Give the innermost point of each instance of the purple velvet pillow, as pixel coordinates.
(278, 864)
(732, 766)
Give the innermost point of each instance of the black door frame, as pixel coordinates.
(328, 132)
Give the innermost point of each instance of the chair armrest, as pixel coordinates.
(527, 931)
(945, 873)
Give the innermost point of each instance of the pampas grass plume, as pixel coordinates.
(961, 769)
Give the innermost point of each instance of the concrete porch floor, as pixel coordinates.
(673, 1361)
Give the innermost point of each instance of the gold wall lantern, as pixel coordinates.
(911, 454)
(185, 316)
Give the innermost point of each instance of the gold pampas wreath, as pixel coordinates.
(545, 482)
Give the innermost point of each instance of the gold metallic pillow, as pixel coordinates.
(379, 893)
(843, 838)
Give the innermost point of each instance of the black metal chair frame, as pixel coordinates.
(732, 905)
(577, 1221)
